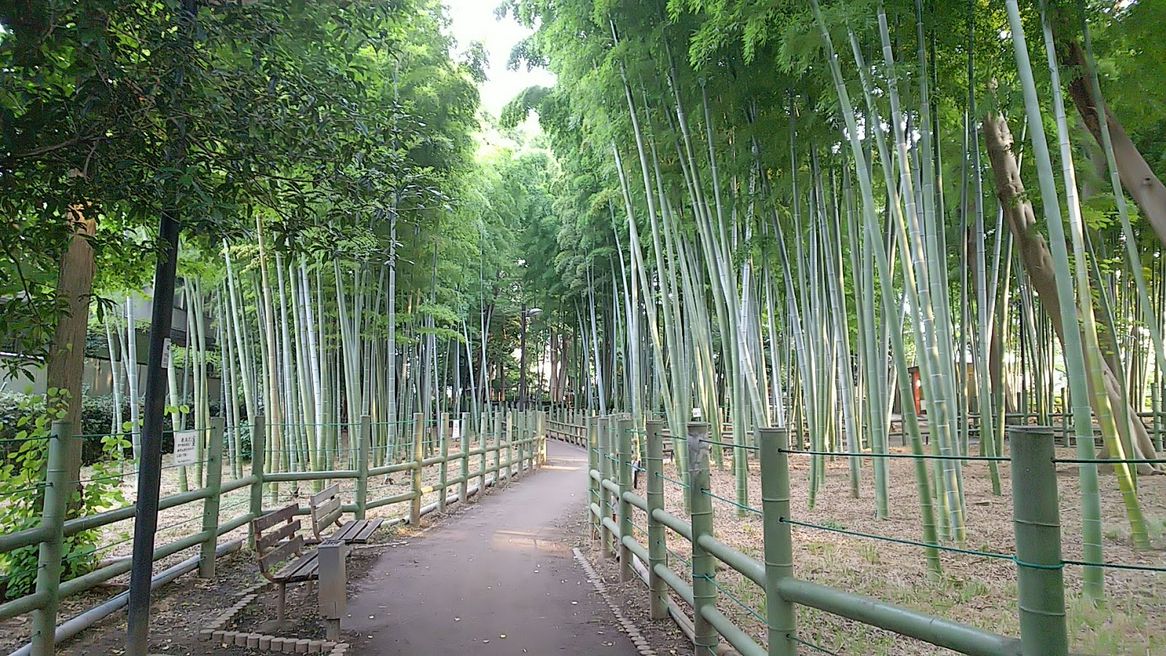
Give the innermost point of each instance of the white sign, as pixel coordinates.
(166, 353)
(184, 447)
(457, 429)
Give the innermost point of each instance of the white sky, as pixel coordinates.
(473, 20)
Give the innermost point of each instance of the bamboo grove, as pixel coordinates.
(792, 214)
(809, 216)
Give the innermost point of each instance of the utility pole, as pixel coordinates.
(161, 316)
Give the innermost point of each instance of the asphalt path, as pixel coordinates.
(498, 578)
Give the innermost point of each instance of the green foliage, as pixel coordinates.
(22, 476)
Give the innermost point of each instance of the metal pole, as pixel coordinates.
(624, 441)
(463, 488)
(778, 541)
(418, 458)
(210, 507)
(657, 546)
(161, 318)
(1036, 518)
(48, 575)
(258, 452)
(363, 437)
(522, 362)
(704, 570)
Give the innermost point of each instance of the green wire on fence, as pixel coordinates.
(22, 490)
(913, 543)
(21, 440)
(924, 456)
(673, 481)
(731, 502)
(817, 648)
(1126, 566)
(679, 557)
(735, 446)
(1112, 461)
(746, 607)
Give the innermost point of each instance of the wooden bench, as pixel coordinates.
(326, 512)
(281, 552)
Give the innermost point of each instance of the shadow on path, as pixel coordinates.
(502, 567)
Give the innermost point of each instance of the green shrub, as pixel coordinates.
(27, 422)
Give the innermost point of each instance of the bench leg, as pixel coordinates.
(281, 603)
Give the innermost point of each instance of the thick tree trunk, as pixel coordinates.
(66, 362)
(1034, 253)
(1136, 175)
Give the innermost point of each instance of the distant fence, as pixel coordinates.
(611, 443)
(505, 445)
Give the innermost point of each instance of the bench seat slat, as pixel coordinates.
(366, 531)
(304, 568)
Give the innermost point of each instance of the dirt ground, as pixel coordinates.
(973, 590)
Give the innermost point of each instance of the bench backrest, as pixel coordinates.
(325, 509)
(277, 537)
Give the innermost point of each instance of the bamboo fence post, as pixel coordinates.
(257, 463)
(657, 547)
(511, 419)
(48, 575)
(1036, 518)
(604, 496)
(498, 434)
(777, 540)
(363, 436)
(624, 442)
(519, 437)
(210, 506)
(418, 459)
(483, 437)
(704, 571)
(463, 488)
(443, 440)
(592, 466)
(542, 438)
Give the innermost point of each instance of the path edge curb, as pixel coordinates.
(629, 628)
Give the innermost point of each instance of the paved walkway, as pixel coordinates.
(499, 578)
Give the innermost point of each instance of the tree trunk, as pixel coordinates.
(66, 362)
(1034, 253)
(1136, 175)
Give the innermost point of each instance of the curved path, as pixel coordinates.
(499, 578)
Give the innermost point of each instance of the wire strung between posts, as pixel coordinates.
(677, 555)
(731, 502)
(673, 481)
(746, 607)
(1112, 461)
(735, 446)
(811, 645)
(913, 543)
(24, 489)
(1127, 566)
(925, 456)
